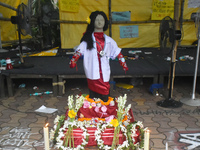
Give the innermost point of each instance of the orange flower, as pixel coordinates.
(102, 119)
(125, 118)
(87, 119)
(82, 119)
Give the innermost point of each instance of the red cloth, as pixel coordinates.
(122, 63)
(74, 59)
(99, 86)
(91, 113)
(107, 136)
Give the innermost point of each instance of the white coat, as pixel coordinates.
(90, 58)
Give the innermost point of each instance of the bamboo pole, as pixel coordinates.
(176, 18)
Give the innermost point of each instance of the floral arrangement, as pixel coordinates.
(62, 133)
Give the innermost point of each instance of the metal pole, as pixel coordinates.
(8, 6)
(193, 101)
(196, 68)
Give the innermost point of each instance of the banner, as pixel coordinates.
(162, 8)
(129, 31)
(69, 5)
(121, 16)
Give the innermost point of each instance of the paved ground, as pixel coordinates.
(21, 128)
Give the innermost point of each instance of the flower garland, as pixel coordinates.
(60, 142)
(88, 119)
(102, 119)
(59, 121)
(133, 128)
(99, 101)
(100, 142)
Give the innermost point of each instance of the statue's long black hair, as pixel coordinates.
(87, 37)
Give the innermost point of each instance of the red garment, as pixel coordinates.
(74, 59)
(122, 62)
(99, 86)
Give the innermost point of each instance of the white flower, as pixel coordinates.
(100, 142)
(79, 102)
(126, 123)
(112, 103)
(85, 134)
(84, 142)
(55, 126)
(52, 132)
(126, 144)
(107, 147)
(56, 119)
(127, 109)
(139, 123)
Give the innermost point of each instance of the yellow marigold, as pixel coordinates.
(72, 114)
(88, 20)
(114, 122)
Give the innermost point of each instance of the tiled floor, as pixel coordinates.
(21, 128)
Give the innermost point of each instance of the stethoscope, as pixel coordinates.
(101, 53)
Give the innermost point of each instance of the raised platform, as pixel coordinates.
(151, 63)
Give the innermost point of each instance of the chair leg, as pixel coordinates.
(2, 86)
(9, 86)
(55, 88)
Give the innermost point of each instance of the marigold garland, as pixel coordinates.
(99, 101)
(102, 119)
(88, 119)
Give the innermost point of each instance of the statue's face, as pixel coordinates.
(99, 22)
